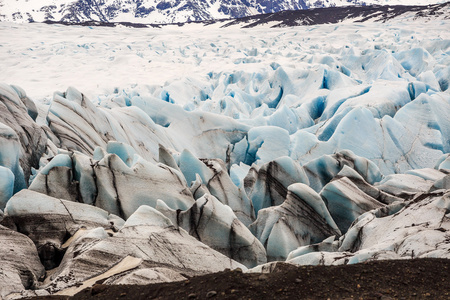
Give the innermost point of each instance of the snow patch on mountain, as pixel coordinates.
(164, 12)
(178, 154)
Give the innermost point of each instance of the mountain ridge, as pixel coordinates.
(165, 12)
(330, 15)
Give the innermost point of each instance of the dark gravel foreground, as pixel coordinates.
(389, 279)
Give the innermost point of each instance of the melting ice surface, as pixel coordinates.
(316, 145)
(298, 92)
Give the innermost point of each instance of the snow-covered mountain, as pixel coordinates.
(348, 14)
(168, 11)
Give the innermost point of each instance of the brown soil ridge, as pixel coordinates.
(386, 279)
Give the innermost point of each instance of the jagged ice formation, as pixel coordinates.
(283, 147)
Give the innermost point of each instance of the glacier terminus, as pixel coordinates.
(143, 155)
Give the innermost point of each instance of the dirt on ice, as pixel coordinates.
(388, 279)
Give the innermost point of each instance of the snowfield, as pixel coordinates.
(97, 60)
(186, 150)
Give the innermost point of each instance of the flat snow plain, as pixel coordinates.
(96, 60)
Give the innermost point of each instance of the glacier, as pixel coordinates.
(156, 154)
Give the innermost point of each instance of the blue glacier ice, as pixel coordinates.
(345, 202)
(211, 177)
(444, 163)
(6, 186)
(322, 170)
(270, 184)
(238, 173)
(300, 220)
(60, 160)
(110, 183)
(216, 225)
(10, 154)
(191, 165)
(124, 151)
(227, 151)
(266, 144)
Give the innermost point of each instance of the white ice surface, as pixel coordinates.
(97, 60)
(380, 90)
